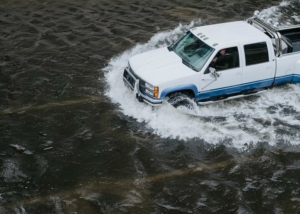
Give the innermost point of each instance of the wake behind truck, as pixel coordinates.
(218, 62)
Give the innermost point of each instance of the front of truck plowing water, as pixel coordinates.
(143, 91)
(155, 74)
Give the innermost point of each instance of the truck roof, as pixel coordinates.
(231, 33)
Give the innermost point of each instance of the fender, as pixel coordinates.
(191, 87)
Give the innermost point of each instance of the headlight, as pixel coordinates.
(149, 86)
(149, 92)
(152, 90)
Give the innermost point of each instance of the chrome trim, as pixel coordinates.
(128, 84)
(270, 30)
(286, 41)
(288, 27)
(137, 92)
(124, 79)
(137, 87)
(279, 44)
(153, 104)
(275, 32)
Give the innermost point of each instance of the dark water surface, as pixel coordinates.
(67, 148)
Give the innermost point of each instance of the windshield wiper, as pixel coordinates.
(189, 65)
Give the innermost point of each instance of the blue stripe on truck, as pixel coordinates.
(292, 78)
(234, 89)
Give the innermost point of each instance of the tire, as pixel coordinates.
(179, 99)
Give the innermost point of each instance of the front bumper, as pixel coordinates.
(133, 82)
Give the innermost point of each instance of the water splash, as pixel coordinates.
(282, 13)
(264, 118)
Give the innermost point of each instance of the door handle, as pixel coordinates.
(238, 73)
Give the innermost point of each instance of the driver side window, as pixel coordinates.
(226, 58)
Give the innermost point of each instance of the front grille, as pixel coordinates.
(142, 85)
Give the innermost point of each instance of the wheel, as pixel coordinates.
(179, 100)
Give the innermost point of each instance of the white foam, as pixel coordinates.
(296, 18)
(20, 211)
(11, 171)
(235, 122)
(57, 204)
(275, 13)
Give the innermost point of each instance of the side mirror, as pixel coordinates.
(213, 72)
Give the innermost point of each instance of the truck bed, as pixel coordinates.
(293, 37)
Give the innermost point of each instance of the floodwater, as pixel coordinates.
(74, 140)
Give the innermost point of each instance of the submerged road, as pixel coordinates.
(73, 139)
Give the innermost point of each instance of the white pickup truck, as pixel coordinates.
(218, 62)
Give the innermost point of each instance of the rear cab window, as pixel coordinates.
(256, 53)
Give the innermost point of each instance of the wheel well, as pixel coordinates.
(188, 92)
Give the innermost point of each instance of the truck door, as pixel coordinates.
(259, 66)
(229, 71)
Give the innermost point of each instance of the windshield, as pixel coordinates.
(192, 51)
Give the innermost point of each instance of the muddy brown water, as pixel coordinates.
(66, 148)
